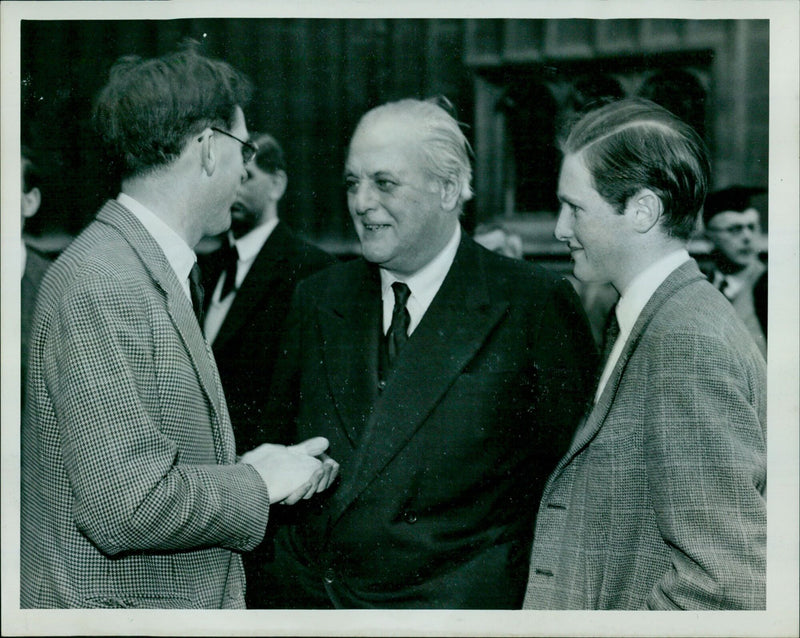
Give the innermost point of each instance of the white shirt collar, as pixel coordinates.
(633, 301)
(250, 244)
(178, 253)
(424, 284)
(736, 281)
(635, 298)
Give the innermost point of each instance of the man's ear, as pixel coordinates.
(449, 190)
(645, 209)
(31, 202)
(208, 152)
(278, 181)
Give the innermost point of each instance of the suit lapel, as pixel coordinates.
(179, 307)
(266, 268)
(349, 322)
(452, 331)
(682, 276)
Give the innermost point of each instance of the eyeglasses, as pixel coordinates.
(734, 229)
(249, 149)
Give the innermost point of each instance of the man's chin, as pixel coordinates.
(222, 227)
(240, 226)
(588, 277)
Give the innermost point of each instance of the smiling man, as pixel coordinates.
(660, 501)
(448, 379)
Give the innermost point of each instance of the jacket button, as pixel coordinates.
(410, 517)
(330, 575)
(381, 385)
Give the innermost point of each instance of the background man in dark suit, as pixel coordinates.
(733, 225)
(447, 378)
(250, 283)
(34, 263)
(131, 494)
(660, 501)
(249, 292)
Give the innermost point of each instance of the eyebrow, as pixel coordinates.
(376, 175)
(564, 199)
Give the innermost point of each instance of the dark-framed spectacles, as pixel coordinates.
(249, 149)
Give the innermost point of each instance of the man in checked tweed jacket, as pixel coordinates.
(660, 501)
(131, 493)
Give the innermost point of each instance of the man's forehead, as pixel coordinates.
(389, 127)
(384, 145)
(734, 217)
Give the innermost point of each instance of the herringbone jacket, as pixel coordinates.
(130, 494)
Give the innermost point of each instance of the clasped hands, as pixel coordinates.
(293, 472)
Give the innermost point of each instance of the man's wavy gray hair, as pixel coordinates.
(444, 146)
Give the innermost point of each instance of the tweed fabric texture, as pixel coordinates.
(660, 501)
(130, 492)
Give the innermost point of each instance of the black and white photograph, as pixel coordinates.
(356, 319)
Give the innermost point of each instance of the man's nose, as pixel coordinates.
(563, 229)
(748, 233)
(362, 197)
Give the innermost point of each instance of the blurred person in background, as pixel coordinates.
(34, 263)
(250, 282)
(733, 225)
(495, 237)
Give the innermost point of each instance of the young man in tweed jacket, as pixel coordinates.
(660, 501)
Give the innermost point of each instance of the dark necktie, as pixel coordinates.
(197, 294)
(230, 261)
(398, 330)
(723, 285)
(609, 337)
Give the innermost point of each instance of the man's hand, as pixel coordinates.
(293, 473)
(321, 480)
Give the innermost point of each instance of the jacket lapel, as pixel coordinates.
(452, 331)
(682, 276)
(266, 268)
(350, 320)
(179, 307)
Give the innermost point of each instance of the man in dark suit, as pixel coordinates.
(132, 495)
(250, 283)
(733, 225)
(660, 501)
(447, 378)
